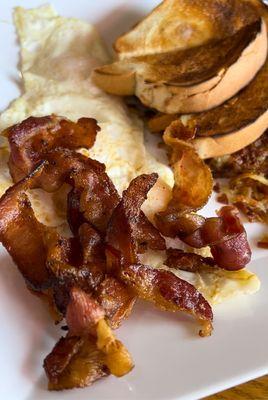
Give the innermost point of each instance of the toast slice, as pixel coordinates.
(183, 24)
(229, 127)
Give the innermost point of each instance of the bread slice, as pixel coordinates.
(180, 25)
(170, 83)
(231, 126)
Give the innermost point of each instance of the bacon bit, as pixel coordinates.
(83, 313)
(61, 355)
(222, 198)
(74, 363)
(217, 187)
(190, 262)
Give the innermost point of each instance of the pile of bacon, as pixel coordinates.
(93, 278)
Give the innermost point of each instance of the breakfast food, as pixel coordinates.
(247, 186)
(93, 277)
(110, 207)
(182, 74)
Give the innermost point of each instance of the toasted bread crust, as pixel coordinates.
(240, 111)
(184, 24)
(209, 147)
(197, 64)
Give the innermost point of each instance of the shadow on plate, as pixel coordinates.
(118, 21)
(32, 320)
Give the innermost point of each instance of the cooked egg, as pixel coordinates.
(57, 57)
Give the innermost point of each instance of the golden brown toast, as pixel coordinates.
(200, 63)
(239, 111)
(231, 126)
(183, 24)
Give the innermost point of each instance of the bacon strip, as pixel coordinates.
(193, 178)
(129, 231)
(95, 191)
(23, 236)
(123, 233)
(31, 139)
(226, 237)
(190, 262)
(115, 298)
(168, 292)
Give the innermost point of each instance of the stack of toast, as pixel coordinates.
(203, 62)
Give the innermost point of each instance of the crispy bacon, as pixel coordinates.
(31, 139)
(129, 231)
(190, 262)
(115, 298)
(86, 317)
(94, 189)
(193, 178)
(83, 313)
(168, 292)
(95, 276)
(74, 363)
(23, 236)
(122, 238)
(226, 237)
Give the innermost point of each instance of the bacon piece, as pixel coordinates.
(31, 139)
(226, 237)
(190, 262)
(95, 191)
(193, 178)
(168, 292)
(85, 316)
(61, 355)
(178, 223)
(83, 313)
(74, 363)
(75, 262)
(23, 236)
(122, 251)
(116, 300)
(129, 231)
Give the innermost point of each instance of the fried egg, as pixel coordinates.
(57, 57)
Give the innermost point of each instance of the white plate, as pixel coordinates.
(172, 362)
